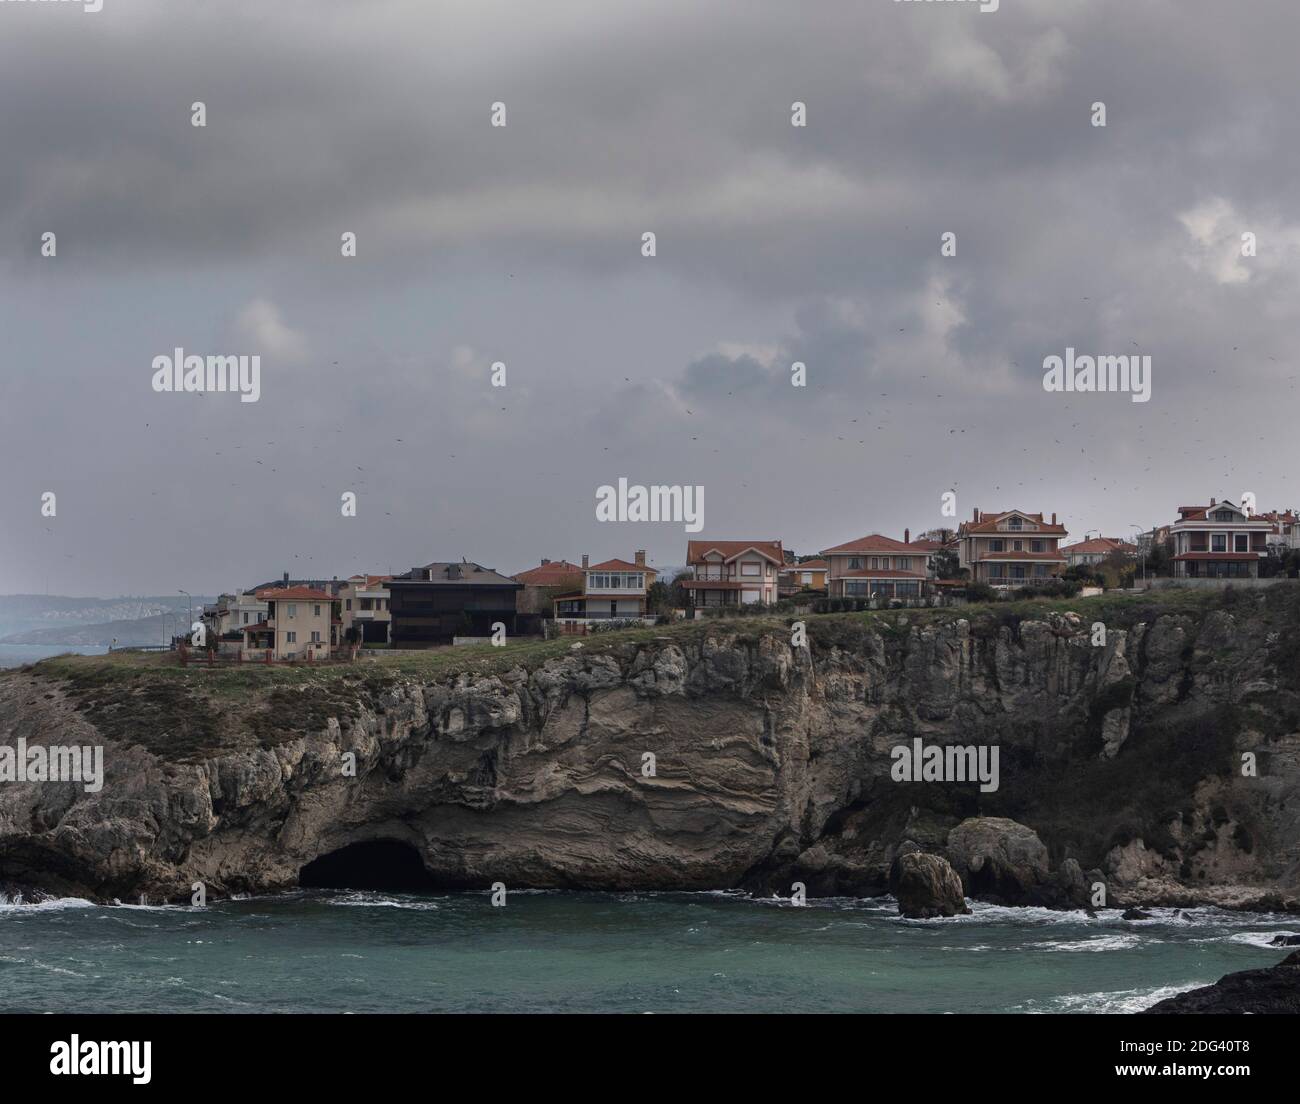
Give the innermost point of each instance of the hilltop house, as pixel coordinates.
(809, 575)
(733, 572)
(300, 623)
(363, 605)
(1010, 548)
(1096, 550)
(433, 604)
(1286, 529)
(610, 591)
(544, 582)
(878, 566)
(1218, 541)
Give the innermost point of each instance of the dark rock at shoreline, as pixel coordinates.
(1273, 990)
(1135, 914)
(1285, 941)
(926, 886)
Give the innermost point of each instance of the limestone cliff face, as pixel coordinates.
(771, 763)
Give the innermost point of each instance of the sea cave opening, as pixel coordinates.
(373, 864)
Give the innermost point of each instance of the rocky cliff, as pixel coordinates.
(702, 756)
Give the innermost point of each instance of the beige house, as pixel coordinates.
(878, 566)
(301, 623)
(364, 609)
(809, 575)
(614, 590)
(543, 582)
(1010, 548)
(1218, 541)
(733, 572)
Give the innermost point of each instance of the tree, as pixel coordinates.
(659, 597)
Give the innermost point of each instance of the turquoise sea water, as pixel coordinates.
(340, 951)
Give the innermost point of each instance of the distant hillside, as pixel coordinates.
(58, 619)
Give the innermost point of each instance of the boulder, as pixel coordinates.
(999, 859)
(926, 886)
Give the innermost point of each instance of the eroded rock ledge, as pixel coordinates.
(772, 764)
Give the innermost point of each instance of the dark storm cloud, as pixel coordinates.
(775, 244)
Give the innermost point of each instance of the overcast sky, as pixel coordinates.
(522, 244)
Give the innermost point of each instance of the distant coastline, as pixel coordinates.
(15, 655)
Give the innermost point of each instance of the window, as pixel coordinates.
(1223, 515)
(806, 578)
(315, 610)
(347, 604)
(245, 619)
(1218, 542)
(293, 608)
(1040, 570)
(1036, 546)
(1241, 542)
(315, 638)
(291, 638)
(367, 603)
(997, 546)
(749, 569)
(855, 563)
(1018, 546)
(1015, 524)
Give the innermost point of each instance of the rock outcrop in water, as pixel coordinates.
(1273, 990)
(926, 886)
(771, 763)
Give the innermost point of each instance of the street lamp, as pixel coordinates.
(1142, 556)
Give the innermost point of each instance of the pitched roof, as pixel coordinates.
(620, 565)
(466, 574)
(1100, 544)
(696, 550)
(874, 542)
(807, 565)
(548, 573)
(988, 523)
(295, 593)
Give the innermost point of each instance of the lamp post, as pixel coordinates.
(1142, 556)
(189, 614)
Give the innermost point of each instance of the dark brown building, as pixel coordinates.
(434, 603)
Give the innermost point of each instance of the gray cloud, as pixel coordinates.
(521, 244)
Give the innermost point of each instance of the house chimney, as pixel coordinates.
(286, 574)
(907, 536)
(545, 561)
(586, 561)
(640, 557)
(1053, 517)
(1211, 502)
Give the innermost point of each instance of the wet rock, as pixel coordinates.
(1135, 914)
(999, 859)
(926, 886)
(1274, 990)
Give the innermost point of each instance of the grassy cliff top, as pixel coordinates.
(188, 712)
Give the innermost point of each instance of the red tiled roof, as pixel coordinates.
(548, 574)
(696, 550)
(874, 542)
(988, 523)
(620, 565)
(295, 594)
(259, 626)
(1100, 544)
(808, 565)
